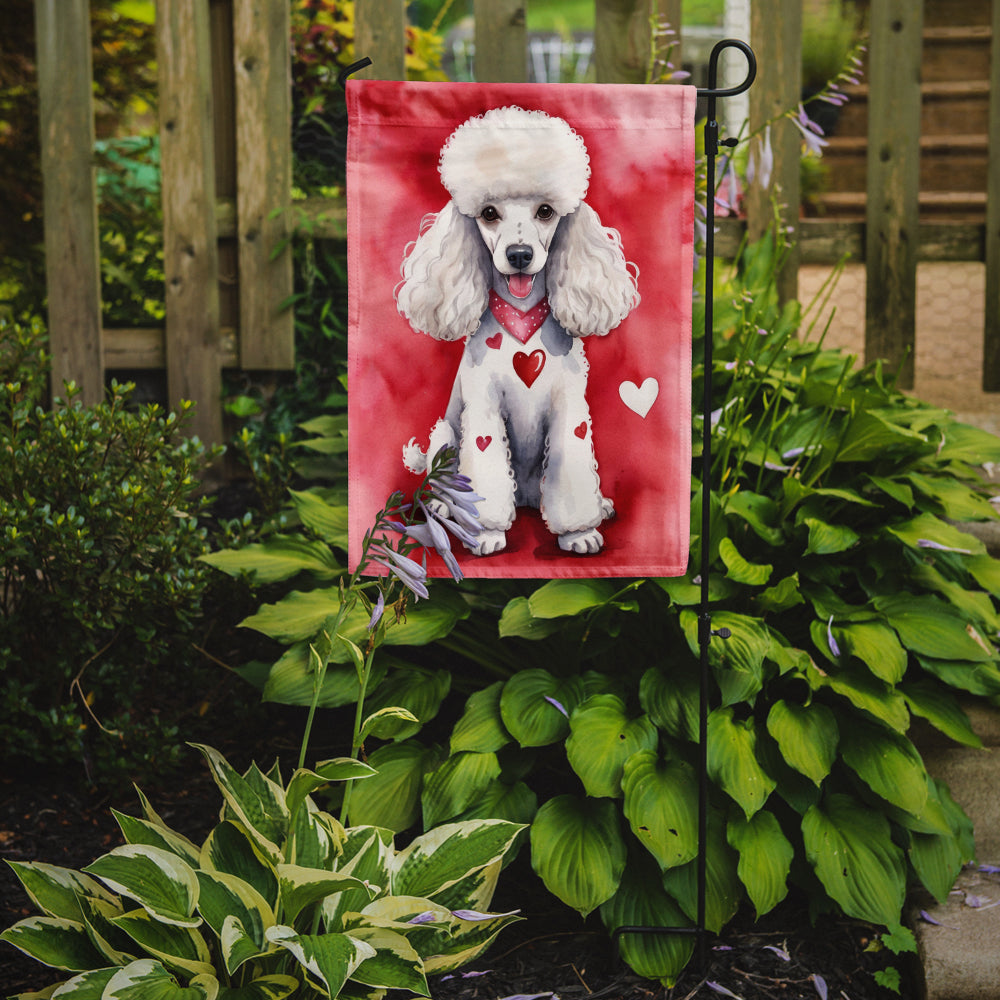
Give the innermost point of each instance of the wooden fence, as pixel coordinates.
(226, 161)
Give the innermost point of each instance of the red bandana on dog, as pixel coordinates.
(519, 323)
(575, 430)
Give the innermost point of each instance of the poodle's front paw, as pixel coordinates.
(583, 543)
(607, 508)
(490, 541)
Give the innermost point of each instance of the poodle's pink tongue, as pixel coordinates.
(520, 285)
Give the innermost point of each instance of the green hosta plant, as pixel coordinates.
(279, 900)
(855, 605)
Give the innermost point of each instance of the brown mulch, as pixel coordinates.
(551, 952)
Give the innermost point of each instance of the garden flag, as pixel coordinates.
(520, 283)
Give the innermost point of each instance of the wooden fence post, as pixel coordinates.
(621, 40)
(72, 255)
(892, 214)
(776, 35)
(503, 22)
(190, 251)
(380, 34)
(991, 332)
(262, 61)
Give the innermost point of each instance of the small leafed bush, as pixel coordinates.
(280, 899)
(99, 574)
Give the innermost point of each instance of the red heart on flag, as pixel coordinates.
(529, 366)
(495, 341)
(581, 431)
(482, 443)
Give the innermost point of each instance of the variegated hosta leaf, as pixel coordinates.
(147, 979)
(661, 805)
(850, 847)
(329, 959)
(765, 858)
(225, 897)
(304, 782)
(177, 947)
(807, 736)
(98, 915)
(456, 784)
(578, 851)
(395, 964)
(158, 880)
(466, 941)
(642, 902)
(256, 801)
(54, 941)
(481, 727)
(315, 838)
(602, 737)
(86, 986)
(301, 887)
(441, 857)
(367, 853)
(732, 760)
(274, 987)
(230, 849)
(535, 706)
(56, 891)
(723, 889)
(476, 890)
(141, 831)
(888, 763)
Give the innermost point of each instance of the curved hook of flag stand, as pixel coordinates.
(705, 631)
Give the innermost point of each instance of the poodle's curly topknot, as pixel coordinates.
(512, 153)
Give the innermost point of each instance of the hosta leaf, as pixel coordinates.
(866, 692)
(87, 986)
(481, 728)
(280, 557)
(732, 760)
(98, 916)
(387, 723)
(391, 798)
(415, 689)
(159, 881)
(230, 849)
(671, 700)
(641, 901)
(601, 739)
(986, 571)
(783, 595)
(330, 959)
(530, 706)
(888, 763)
(928, 528)
(395, 964)
(807, 736)
(56, 891)
(292, 681)
(54, 941)
(578, 851)
(827, 539)
(738, 661)
(141, 831)
(876, 646)
(456, 784)
(870, 435)
(765, 858)
(366, 855)
(517, 620)
(260, 809)
(301, 887)
(225, 897)
(441, 857)
(180, 948)
(466, 941)
(516, 803)
(976, 605)
(274, 987)
(931, 628)
(976, 678)
(937, 860)
(327, 520)
(739, 569)
(957, 501)
(147, 979)
(850, 848)
(965, 443)
(941, 709)
(304, 782)
(758, 511)
(723, 889)
(559, 598)
(661, 799)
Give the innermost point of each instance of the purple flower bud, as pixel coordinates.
(558, 705)
(834, 648)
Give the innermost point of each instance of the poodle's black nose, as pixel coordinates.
(519, 255)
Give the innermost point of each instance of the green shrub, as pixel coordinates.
(854, 602)
(99, 546)
(279, 900)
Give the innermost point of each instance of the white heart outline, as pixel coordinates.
(639, 398)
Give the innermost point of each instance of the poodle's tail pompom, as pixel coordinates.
(414, 457)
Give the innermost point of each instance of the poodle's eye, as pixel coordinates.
(545, 212)
(490, 214)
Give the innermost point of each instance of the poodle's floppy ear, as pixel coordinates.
(446, 273)
(592, 288)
